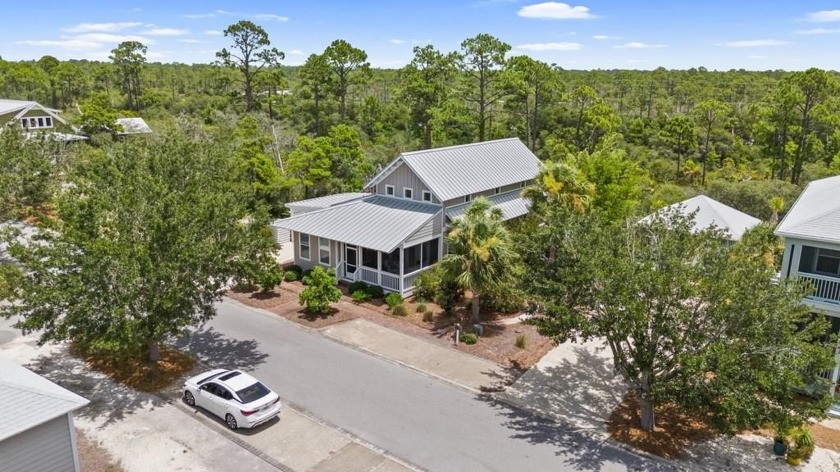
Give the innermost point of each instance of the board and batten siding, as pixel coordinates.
(46, 447)
(402, 177)
(314, 255)
(425, 232)
(486, 193)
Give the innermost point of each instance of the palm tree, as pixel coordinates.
(480, 256)
(561, 183)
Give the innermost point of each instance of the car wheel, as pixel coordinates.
(189, 399)
(230, 421)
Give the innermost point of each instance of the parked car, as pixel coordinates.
(234, 396)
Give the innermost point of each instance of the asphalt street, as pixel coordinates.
(423, 420)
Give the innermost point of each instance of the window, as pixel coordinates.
(408, 193)
(391, 262)
(304, 246)
(430, 252)
(324, 251)
(497, 190)
(817, 260)
(253, 392)
(411, 263)
(427, 196)
(35, 123)
(370, 258)
(467, 198)
(523, 184)
(389, 190)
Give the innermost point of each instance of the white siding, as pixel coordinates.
(47, 447)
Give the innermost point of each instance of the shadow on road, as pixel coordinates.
(213, 349)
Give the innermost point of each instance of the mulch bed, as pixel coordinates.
(674, 433)
(137, 372)
(826, 438)
(93, 457)
(497, 345)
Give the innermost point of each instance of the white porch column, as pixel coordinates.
(402, 257)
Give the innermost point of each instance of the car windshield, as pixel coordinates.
(253, 392)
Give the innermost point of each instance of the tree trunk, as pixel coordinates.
(474, 318)
(154, 350)
(249, 99)
(646, 405)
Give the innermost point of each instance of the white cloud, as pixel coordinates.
(213, 33)
(295, 52)
(72, 44)
(818, 31)
(638, 45)
(101, 27)
(106, 38)
(555, 11)
(271, 16)
(550, 47)
(603, 37)
(754, 43)
(166, 32)
(396, 41)
(824, 16)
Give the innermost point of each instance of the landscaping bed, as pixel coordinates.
(93, 457)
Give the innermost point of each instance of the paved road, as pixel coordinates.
(422, 420)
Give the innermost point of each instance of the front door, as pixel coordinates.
(351, 259)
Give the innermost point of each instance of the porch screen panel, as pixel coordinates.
(391, 262)
(806, 259)
(430, 252)
(412, 259)
(369, 258)
(828, 262)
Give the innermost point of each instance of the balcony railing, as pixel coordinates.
(825, 289)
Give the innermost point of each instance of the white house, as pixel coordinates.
(36, 422)
(709, 212)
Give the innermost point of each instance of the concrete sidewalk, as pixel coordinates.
(455, 367)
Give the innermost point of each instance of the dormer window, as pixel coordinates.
(467, 198)
(497, 190)
(427, 196)
(36, 122)
(408, 193)
(389, 190)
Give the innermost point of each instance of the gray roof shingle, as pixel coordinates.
(30, 400)
(815, 215)
(376, 222)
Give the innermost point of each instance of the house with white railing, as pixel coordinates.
(394, 229)
(811, 230)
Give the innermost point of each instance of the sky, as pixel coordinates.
(591, 34)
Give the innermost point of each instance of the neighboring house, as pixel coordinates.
(34, 118)
(393, 231)
(709, 212)
(36, 422)
(811, 230)
(133, 126)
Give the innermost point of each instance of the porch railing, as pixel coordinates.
(408, 280)
(825, 288)
(390, 282)
(370, 276)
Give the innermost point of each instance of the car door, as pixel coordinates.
(225, 399)
(209, 395)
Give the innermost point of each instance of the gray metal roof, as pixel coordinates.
(455, 171)
(815, 215)
(377, 222)
(30, 400)
(711, 212)
(133, 126)
(326, 201)
(8, 106)
(511, 204)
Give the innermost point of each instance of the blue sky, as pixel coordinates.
(591, 34)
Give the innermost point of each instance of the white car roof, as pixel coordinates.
(237, 382)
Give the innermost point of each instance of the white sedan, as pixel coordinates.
(234, 396)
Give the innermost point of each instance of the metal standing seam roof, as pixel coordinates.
(455, 171)
(326, 201)
(511, 204)
(133, 126)
(22, 106)
(711, 212)
(377, 222)
(815, 215)
(30, 400)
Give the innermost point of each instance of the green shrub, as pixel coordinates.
(521, 341)
(427, 285)
(269, 276)
(421, 308)
(359, 285)
(399, 310)
(803, 442)
(304, 276)
(393, 299)
(375, 291)
(294, 268)
(320, 291)
(502, 300)
(449, 295)
(289, 276)
(360, 296)
(428, 316)
(469, 338)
